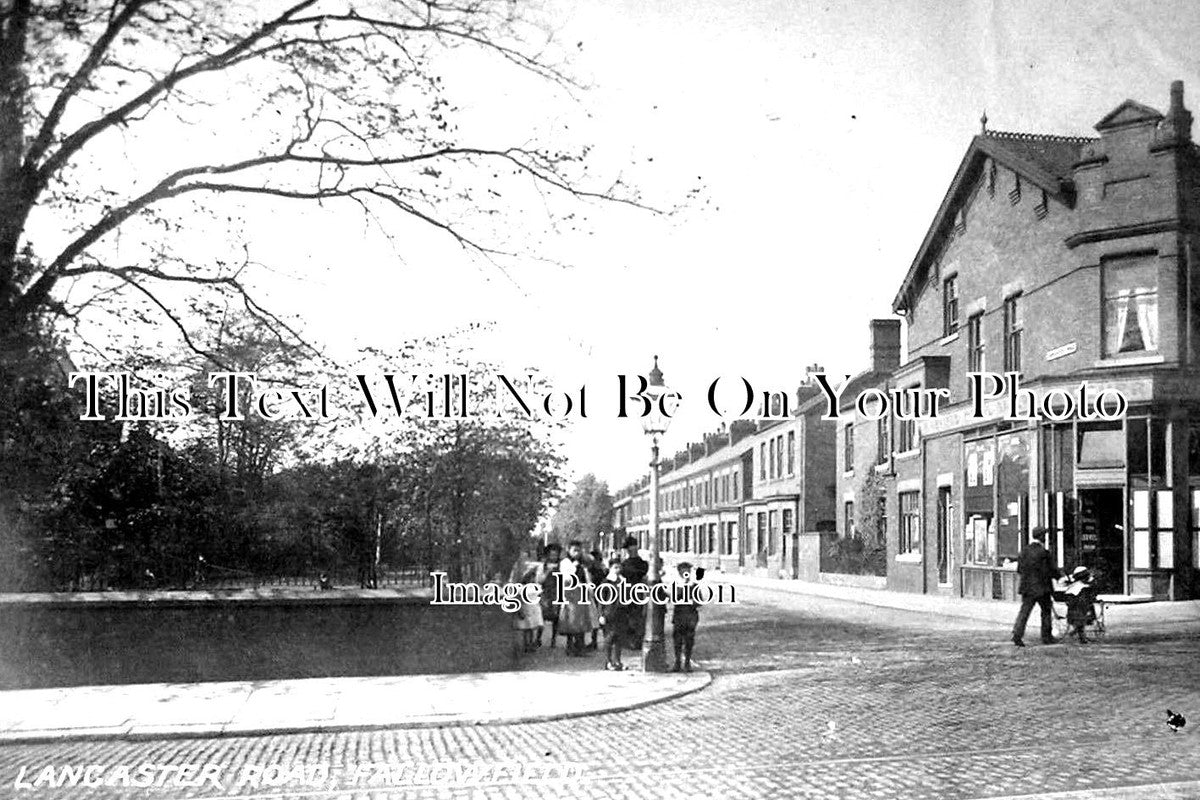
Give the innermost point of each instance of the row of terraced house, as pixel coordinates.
(1061, 260)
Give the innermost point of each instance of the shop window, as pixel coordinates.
(979, 540)
(910, 523)
(1153, 530)
(1058, 456)
(1012, 494)
(1101, 445)
(1196, 528)
(1158, 449)
(1130, 305)
(1146, 449)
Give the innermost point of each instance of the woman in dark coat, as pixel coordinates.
(545, 576)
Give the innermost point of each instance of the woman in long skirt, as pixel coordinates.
(529, 616)
(575, 617)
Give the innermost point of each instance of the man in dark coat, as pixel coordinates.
(633, 566)
(632, 616)
(1037, 572)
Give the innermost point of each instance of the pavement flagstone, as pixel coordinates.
(157, 710)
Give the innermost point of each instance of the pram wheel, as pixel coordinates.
(1097, 629)
(1060, 626)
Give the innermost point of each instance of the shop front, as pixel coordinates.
(996, 510)
(1121, 499)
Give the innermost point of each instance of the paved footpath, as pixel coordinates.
(157, 710)
(813, 697)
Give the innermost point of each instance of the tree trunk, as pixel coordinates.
(17, 184)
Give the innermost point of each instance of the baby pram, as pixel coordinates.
(1075, 606)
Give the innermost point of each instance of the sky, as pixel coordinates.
(824, 135)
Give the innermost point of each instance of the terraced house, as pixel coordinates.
(1061, 260)
(748, 498)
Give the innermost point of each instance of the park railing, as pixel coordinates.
(382, 578)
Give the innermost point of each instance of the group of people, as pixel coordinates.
(622, 624)
(1038, 574)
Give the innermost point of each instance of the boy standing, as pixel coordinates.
(612, 620)
(684, 620)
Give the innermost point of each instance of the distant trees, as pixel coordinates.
(141, 513)
(584, 514)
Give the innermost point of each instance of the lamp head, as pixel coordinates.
(655, 422)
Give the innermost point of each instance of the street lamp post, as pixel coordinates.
(654, 423)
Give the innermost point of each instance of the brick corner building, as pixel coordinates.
(1063, 261)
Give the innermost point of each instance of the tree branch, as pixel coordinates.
(75, 141)
(117, 21)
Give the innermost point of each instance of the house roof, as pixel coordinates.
(1129, 112)
(1044, 160)
(859, 383)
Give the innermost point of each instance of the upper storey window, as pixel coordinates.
(1013, 328)
(976, 358)
(950, 305)
(1130, 305)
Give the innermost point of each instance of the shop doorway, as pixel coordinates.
(1102, 536)
(943, 535)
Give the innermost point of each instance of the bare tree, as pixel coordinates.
(350, 105)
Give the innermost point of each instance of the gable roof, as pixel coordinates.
(1045, 161)
(1129, 112)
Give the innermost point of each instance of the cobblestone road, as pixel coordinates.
(813, 699)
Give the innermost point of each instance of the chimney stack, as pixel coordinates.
(739, 429)
(885, 345)
(1177, 126)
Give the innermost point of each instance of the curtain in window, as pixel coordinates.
(1147, 316)
(1120, 327)
(1131, 305)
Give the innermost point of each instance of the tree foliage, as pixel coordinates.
(142, 513)
(584, 514)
